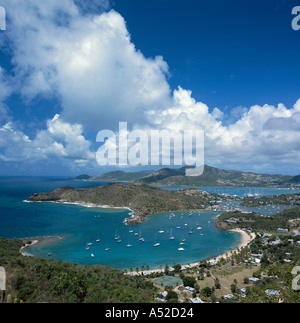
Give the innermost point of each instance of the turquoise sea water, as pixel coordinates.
(85, 225)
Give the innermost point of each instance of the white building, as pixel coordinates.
(196, 300)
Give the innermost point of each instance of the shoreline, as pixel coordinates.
(245, 240)
(39, 241)
(48, 240)
(134, 219)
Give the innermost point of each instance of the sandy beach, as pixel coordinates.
(245, 240)
(39, 241)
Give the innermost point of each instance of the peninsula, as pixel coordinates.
(144, 200)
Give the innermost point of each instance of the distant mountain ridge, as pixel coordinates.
(115, 176)
(211, 177)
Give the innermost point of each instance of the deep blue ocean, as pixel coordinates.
(82, 226)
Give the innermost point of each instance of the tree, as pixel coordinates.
(206, 292)
(189, 281)
(177, 267)
(172, 297)
(166, 269)
(217, 283)
(233, 288)
(61, 284)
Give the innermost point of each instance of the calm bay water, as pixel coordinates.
(85, 225)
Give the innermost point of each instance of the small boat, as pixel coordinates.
(92, 255)
(182, 243)
(49, 254)
(141, 238)
(107, 249)
(119, 241)
(180, 249)
(199, 228)
(191, 232)
(171, 236)
(161, 231)
(157, 244)
(98, 240)
(117, 237)
(89, 244)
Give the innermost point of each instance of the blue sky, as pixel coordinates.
(229, 53)
(72, 68)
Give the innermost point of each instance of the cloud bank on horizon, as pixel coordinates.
(88, 62)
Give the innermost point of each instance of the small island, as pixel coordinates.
(143, 200)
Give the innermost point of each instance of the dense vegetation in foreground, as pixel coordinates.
(35, 280)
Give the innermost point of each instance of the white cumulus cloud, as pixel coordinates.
(88, 61)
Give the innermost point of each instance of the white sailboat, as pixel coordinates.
(141, 238)
(129, 245)
(171, 235)
(117, 237)
(157, 244)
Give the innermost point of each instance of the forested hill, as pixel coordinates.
(143, 199)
